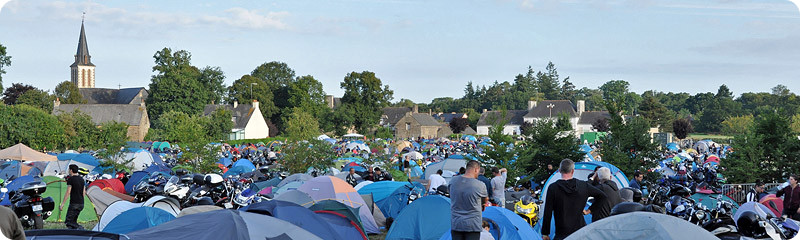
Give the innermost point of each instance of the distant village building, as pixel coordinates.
(417, 125)
(580, 120)
(332, 102)
(104, 105)
(248, 122)
(391, 115)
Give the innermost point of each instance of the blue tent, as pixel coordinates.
(237, 170)
(469, 138)
(381, 190)
(225, 161)
(344, 219)
(245, 163)
(158, 167)
(134, 179)
(672, 146)
(392, 205)
(506, 219)
(137, 219)
(358, 168)
(425, 218)
(10, 169)
(295, 214)
(84, 158)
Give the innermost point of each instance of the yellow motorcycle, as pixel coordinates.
(528, 209)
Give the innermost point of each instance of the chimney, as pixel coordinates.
(531, 104)
(235, 104)
(430, 112)
(255, 104)
(581, 106)
(56, 103)
(416, 108)
(329, 100)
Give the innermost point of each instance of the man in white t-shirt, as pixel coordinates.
(436, 181)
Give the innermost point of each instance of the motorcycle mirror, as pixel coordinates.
(4, 190)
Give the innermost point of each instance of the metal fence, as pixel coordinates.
(738, 192)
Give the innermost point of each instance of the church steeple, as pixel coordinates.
(82, 69)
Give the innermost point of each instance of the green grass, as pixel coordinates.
(701, 136)
(60, 225)
(381, 236)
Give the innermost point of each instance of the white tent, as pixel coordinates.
(362, 184)
(140, 159)
(164, 203)
(322, 137)
(56, 168)
(112, 211)
(641, 225)
(353, 135)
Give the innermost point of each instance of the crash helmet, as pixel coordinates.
(199, 179)
(181, 172)
(213, 179)
(83, 171)
(748, 224)
(527, 199)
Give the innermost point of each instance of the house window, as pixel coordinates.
(233, 119)
(408, 126)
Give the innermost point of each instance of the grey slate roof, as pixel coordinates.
(425, 120)
(394, 114)
(593, 116)
(241, 113)
(82, 57)
(469, 131)
(446, 117)
(113, 96)
(101, 113)
(514, 117)
(559, 106)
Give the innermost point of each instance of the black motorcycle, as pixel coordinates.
(30, 207)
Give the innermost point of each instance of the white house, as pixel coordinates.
(580, 119)
(248, 122)
(512, 127)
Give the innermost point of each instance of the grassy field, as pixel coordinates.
(60, 225)
(381, 236)
(701, 136)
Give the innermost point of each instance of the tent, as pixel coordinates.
(297, 177)
(20, 152)
(290, 186)
(582, 171)
(777, 204)
(296, 197)
(258, 186)
(376, 212)
(453, 164)
(13, 169)
(246, 164)
(673, 146)
(169, 205)
(140, 159)
(353, 135)
(56, 189)
(225, 162)
(100, 199)
(382, 189)
(322, 137)
(297, 215)
(112, 211)
(114, 184)
(342, 218)
(137, 219)
(236, 171)
(505, 217)
(227, 224)
(703, 146)
(72, 234)
(363, 184)
(402, 145)
(469, 138)
(60, 167)
(160, 146)
(641, 225)
(357, 146)
(413, 155)
(393, 204)
(332, 188)
(425, 218)
(198, 209)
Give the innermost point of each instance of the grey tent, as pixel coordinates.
(100, 199)
(380, 219)
(224, 224)
(297, 177)
(297, 197)
(641, 225)
(198, 209)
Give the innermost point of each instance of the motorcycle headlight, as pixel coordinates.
(700, 214)
(679, 208)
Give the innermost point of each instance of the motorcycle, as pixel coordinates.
(146, 189)
(29, 206)
(687, 209)
(528, 209)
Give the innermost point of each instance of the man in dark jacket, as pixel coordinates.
(791, 202)
(485, 180)
(565, 201)
(602, 208)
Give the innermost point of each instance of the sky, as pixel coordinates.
(423, 49)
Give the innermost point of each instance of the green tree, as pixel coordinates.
(37, 98)
(5, 61)
(307, 95)
(79, 130)
(682, 127)
(69, 93)
(616, 93)
(384, 133)
(548, 82)
(629, 145)
(12, 93)
(656, 113)
(365, 96)
(219, 124)
(179, 86)
(500, 151)
(298, 157)
(769, 146)
(300, 125)
(796, 123)
(472, 116)
(721, 107)
(31, 126)
(547, 144)
(112, 135)
(737, 125)
(179, 127)
(249, 88)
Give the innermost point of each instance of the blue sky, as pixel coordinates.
(421, 49)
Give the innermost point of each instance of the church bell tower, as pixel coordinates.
(82, 70)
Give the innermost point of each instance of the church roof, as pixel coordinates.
(113, 96)
(82, 57)
(101, 113)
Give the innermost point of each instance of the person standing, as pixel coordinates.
(75, 192)
(565, 201)
(468, 197)
(436, 181)
(601, 208)
(486, 181)
(756, 193)
(636, 182)
(351, 177)
(499, 186)
(791, 202)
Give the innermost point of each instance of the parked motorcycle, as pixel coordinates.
(29, 206)
(528, 209)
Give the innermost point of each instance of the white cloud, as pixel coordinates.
(244, 18)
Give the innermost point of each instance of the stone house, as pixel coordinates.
(135, 115)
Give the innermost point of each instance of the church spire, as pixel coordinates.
(82, 70)
(82, 57)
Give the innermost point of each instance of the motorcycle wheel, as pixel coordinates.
(38, 222)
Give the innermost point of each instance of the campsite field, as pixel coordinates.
(701, 136)
(60, 225)
(377, 237)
